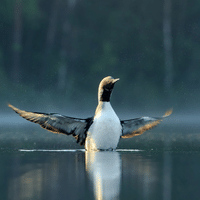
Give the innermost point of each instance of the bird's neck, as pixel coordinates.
(103, 106)
(104, 95)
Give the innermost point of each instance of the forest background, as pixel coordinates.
(54, 53)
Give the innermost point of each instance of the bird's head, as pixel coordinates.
(105, 88)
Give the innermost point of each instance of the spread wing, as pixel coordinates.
(57, 123)
(137, 126)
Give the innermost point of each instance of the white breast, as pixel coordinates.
(105, 130)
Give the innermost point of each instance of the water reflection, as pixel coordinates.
(99, 175)
(42, 175)
(141, 177)
(167, 173)
(29, 184)
(104, 169)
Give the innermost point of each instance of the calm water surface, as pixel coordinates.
(119, 174)
(29, 169)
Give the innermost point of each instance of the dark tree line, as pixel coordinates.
(153, 46)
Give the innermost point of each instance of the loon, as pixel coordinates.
(100, 132)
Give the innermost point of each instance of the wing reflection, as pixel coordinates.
(104, 169)
(47, 175)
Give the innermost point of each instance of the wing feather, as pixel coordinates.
(57, 123)
(137, 126)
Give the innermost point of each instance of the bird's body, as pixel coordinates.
(100, 132)
(106, 129)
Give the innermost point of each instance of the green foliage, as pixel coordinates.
(107, 60)
(99, 38)
(32, 10)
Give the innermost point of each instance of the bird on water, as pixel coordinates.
(100, 132)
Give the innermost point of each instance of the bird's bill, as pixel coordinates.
(115, 80)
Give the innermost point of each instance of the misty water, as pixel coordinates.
(163, 163)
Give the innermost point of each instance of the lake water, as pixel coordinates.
(76, 174)
(161, 164)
